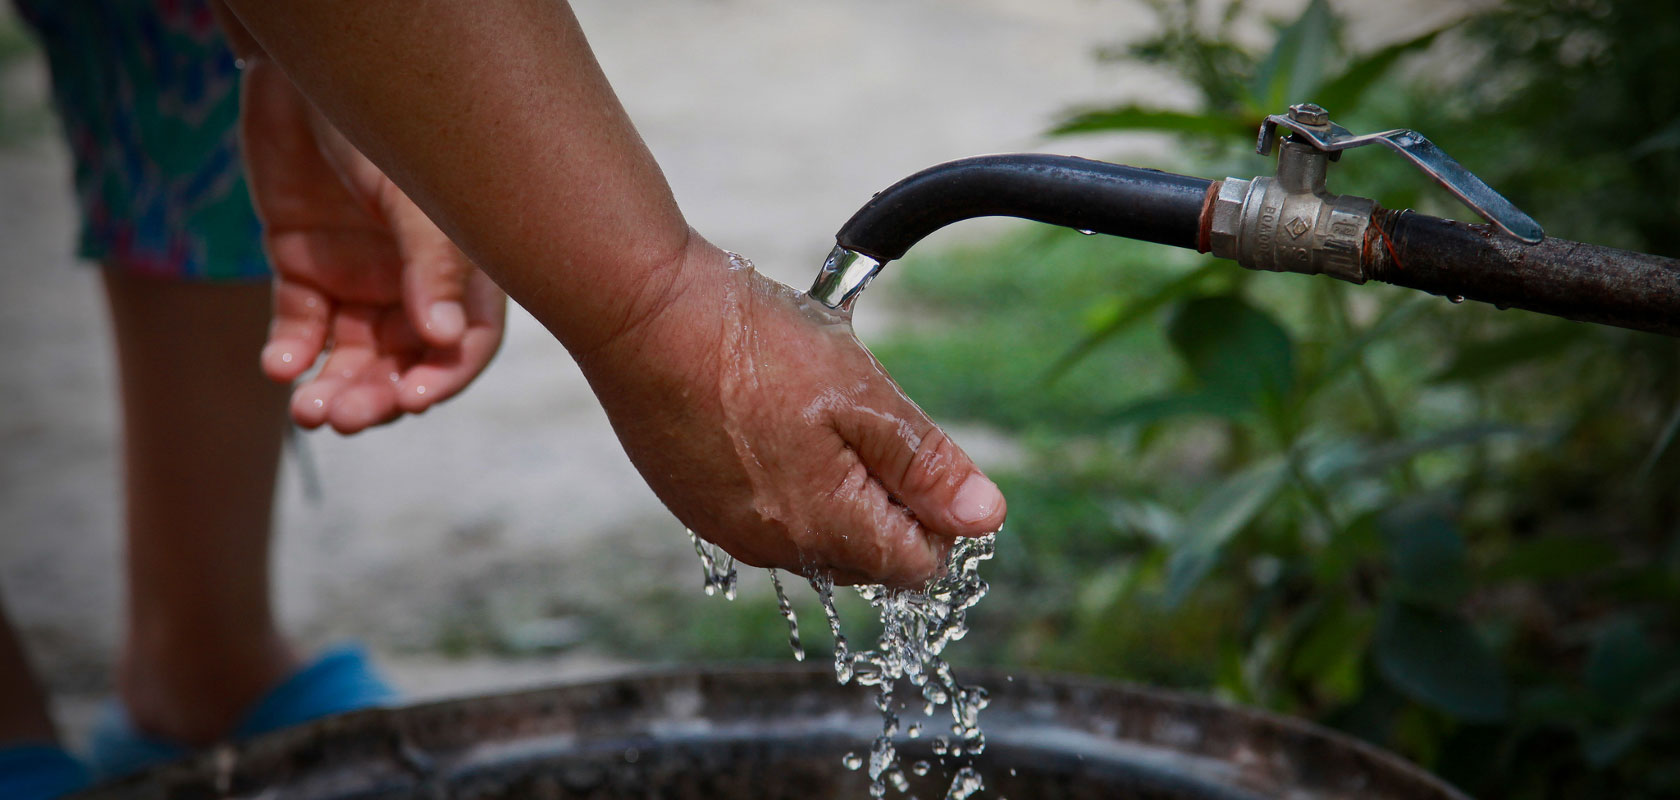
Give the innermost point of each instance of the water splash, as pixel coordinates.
(965, 784)
(718, 567)
(916, 626)
(786, 608)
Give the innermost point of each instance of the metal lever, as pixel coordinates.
(1313, 126)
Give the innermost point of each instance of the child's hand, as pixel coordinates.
(361, 273)
(766, 427)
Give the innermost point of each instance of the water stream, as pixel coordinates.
(916, 625)
(786, 608)
(844, 275)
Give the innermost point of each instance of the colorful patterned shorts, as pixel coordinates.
(149, 97)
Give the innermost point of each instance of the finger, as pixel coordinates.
(435, 273)
(302, 317)
(922, 467)
(354, 350)
(444, 372)
(367, 403)
(369, 395)
(875, 540)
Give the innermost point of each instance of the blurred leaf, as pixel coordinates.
(1437, 659)
(1664, 140)
(1138, 118)
(1604, 747)
(1659, 446)
(1342, 94)
(1427, 554)
(1348, 353)
(1334, 646)
(1124, 318)
(1357, 542)
(1219, 516)
(1553, 557)
(1155, 409)
(1154, 520)
(1296, 64)
(1625, 666)
(1234, 349)
(1479, 361)
(1394, 453)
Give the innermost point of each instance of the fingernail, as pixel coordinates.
(446, 319)
(977, 499)
(277, 354)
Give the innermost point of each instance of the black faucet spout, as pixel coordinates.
(1144, 204)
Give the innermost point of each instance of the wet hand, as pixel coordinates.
(361, 274)
(764, 425)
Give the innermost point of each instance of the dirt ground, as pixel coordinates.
(773, 120)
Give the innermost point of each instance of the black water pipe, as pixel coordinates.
(1078, 193)
(1585, 282)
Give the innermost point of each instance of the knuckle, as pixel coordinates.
(932, 464)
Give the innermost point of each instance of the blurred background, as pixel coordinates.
(1447, 529)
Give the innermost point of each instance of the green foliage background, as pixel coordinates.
(1446, 529)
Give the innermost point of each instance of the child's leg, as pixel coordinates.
(202, 433)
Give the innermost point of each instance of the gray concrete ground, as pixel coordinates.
(774, 120)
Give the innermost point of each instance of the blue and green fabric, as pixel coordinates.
(148, 94)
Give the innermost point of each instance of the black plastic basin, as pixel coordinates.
(776, 733)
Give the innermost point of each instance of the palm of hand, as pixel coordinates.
(361, 274)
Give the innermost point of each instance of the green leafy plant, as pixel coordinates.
(1443, 528)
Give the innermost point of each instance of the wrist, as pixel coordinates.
(671, 319)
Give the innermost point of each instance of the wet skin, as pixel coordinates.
(766, 426)
(763, 427)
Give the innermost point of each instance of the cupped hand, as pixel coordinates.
(764, 425)
(361, 274)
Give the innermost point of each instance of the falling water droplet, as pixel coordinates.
(965, 784)
(920, 768)
(852, 761)
(787, 613)
(717, 568)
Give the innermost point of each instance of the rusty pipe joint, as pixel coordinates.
(1291, 223)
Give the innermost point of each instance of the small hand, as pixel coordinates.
(361, 273)
(766, 427)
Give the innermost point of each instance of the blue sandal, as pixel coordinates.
(40, 772)
(341, 679)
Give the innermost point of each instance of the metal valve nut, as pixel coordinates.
(1226, 223)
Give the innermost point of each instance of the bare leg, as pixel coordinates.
(202, 435)
(23, 706)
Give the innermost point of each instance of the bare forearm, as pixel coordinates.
(496, 119)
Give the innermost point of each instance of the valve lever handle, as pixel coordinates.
(1451, 175)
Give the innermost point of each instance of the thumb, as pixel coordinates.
(435, 273)
(923, 469)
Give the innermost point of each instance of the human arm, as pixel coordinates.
(762, 427)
